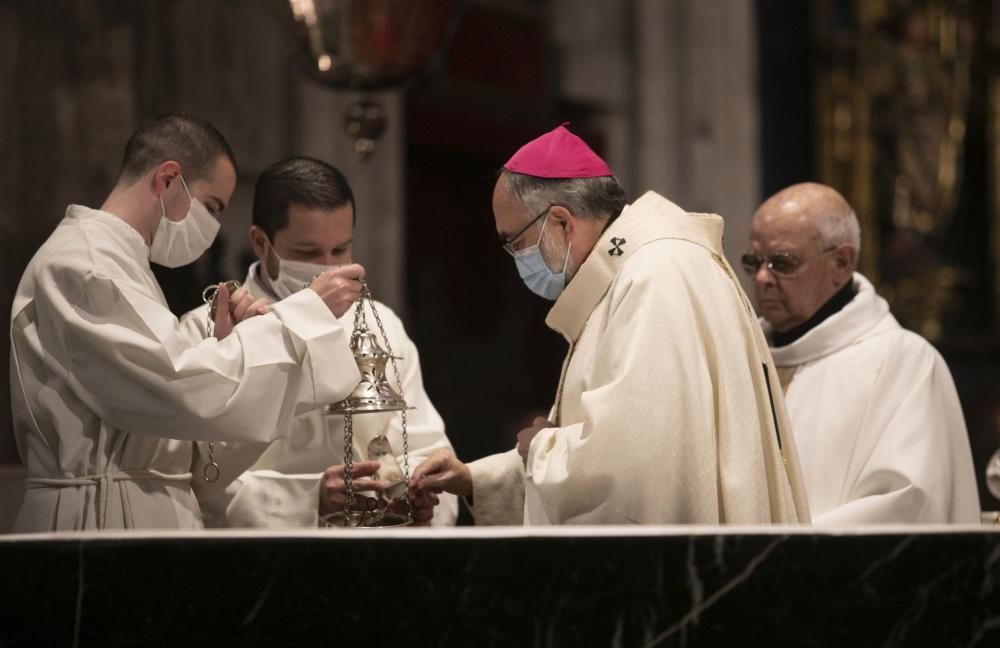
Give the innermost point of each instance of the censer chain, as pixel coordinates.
(211, 472)
(348, 466)
(365, 293)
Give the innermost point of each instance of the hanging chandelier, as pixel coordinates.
(372, 45)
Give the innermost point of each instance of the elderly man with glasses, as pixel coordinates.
(877, 422)
(664, 413)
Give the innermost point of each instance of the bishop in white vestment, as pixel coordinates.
(668, 408)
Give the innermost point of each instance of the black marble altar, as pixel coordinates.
(506, 587)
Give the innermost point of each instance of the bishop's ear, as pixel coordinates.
(561, 218)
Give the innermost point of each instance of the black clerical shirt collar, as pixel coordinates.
(833, 305)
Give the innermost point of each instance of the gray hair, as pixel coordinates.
(838, 228)
(584, 197)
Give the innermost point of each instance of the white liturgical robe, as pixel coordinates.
(282, 488)
(108, 392)
(669, 409)
(877, 420)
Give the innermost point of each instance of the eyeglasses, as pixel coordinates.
(781, 264)
(508, 244)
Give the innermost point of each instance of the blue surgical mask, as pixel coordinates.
(537, 276)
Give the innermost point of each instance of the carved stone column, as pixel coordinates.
(673, 84)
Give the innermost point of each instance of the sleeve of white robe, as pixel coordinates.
(127, 360)
(266, 498)
(193, 325)
(231, 457)
(646, 450)
(498, 489)
(917, 464)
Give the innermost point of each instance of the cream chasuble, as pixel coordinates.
(281, 486)
(109, 392)
(877, 421)
(664, 411)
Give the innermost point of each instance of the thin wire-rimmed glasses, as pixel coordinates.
(781, 264)
(508, 244)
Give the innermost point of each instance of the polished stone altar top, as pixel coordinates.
(566, 586)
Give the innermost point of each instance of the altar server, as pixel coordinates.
(303, 225)
(879, 427)
(667, 410)
(109, 393)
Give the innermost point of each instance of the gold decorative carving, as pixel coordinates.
(892, 97)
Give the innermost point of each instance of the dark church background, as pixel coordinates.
(714, 104)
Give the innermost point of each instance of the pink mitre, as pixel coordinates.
(558, 154)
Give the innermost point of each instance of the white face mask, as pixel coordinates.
(178, 243)
(293, 276)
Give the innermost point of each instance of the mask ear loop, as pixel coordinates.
(271, 250)
(568, 247)
(163, 210)
(184, 184)
(188, 192)
(541, 233)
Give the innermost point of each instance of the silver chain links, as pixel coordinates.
(208, 296)
(359, 318)
(348, 465)
(365, 293)
(211, 471)
(210, 325)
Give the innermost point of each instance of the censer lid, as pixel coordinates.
(373, 393)
(365, 344)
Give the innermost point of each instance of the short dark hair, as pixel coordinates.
(584, 197)
(302, 181)
(192, 142)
